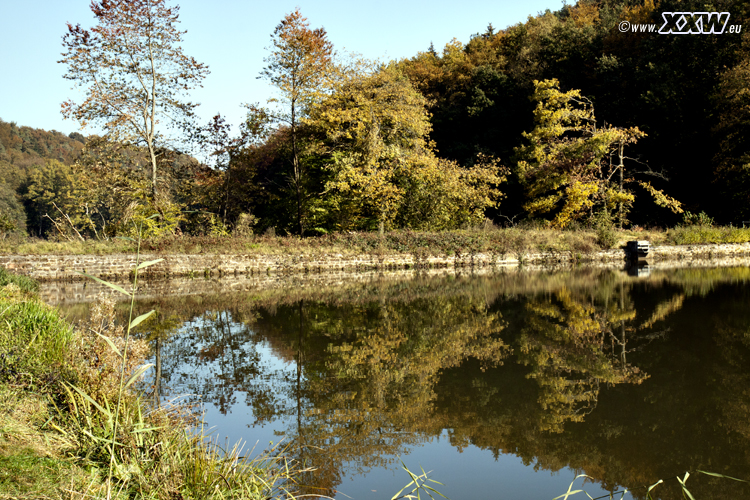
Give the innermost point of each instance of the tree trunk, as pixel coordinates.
(297, 174)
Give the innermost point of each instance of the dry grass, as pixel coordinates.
(701, 234)
(58, 417)
(486, 239)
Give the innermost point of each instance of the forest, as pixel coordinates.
(563, 121)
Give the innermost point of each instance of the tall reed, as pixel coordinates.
(649, 489)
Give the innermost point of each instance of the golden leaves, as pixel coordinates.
(662, 199)
(569, 164)
(377, 129)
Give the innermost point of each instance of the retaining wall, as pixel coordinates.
(66, 267)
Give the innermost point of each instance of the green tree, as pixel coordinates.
(299, 64)
(134, 72)
(385, 171)
(56, 200)
(12, 216)
(100, 196)
(117, 191)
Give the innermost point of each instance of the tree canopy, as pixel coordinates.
(134, 73)
(500, 126)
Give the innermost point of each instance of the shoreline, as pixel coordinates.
(66, 268)
(83, 291)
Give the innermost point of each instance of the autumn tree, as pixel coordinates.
(385, 171)
(134, 73)
(298, 66)
(732, 171)
(570, 166)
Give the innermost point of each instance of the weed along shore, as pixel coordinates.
(72, 424)
(77, 422)
(57, 267)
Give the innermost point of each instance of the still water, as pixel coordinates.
(504, 386)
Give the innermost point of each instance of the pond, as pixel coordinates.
(504, 385)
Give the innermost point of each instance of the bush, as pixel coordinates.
(606, 236)
(701, 219)
(33, 339)
(244, 225)
(694, 235)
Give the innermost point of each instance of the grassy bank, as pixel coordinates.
(508, 241)
(702, 234)
(502, 243)
(63, 436)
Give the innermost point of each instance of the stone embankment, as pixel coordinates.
(68, 267)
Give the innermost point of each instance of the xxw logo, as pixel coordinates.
(694, 23)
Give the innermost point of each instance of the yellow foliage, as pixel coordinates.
(585, 13)
(662, 199)
(578, 200)
(570, 165)
(640, 14)
(384, 167)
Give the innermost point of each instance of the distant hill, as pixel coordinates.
(23, 147)
(21, 150)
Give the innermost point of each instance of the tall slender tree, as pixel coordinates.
(134, 72)
(298, 66)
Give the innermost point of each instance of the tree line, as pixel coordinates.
(563, 119)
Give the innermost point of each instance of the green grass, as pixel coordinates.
(701, 234)
(33, 338)
(25, 474)
(24, 283)
(36, 246)
(63, 401)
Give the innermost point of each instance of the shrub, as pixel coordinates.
(606, 236)
(33, 339)
(701, 219)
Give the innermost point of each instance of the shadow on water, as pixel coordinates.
(627, 376)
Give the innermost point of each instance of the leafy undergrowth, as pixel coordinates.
(24, 283)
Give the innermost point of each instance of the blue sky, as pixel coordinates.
(231, 36)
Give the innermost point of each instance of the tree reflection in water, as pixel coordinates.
(593, 370)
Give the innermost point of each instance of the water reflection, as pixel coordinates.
(626, 378)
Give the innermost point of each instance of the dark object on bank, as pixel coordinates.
(637, 249)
